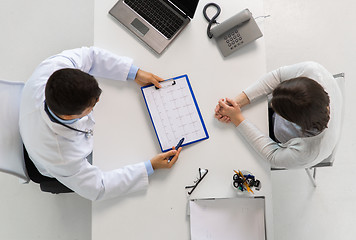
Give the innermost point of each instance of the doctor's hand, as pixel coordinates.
(161, 160)
(229, 108)
(144, 78)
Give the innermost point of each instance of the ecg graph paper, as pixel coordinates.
(174, 113)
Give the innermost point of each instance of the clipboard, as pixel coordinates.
(174, 113)
(228, 218)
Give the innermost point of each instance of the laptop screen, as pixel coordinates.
(187, 6)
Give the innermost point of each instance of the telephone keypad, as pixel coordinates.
(233, 39)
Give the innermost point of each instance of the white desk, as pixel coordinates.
(124, 133)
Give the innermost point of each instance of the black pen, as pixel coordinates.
(178, 146)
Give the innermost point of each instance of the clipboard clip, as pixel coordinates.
(202, 174)
(166, 84)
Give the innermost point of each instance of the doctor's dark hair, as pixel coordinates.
(302, 101)
(71, 91)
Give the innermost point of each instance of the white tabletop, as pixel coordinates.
(124, 133)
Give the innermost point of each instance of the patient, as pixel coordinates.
(307, 104)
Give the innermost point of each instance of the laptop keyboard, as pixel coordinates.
(158, 15)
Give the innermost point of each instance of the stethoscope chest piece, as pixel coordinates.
(89, 133)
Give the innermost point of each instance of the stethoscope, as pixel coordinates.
(88, 132)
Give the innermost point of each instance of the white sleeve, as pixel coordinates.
(267, 83)
(95, 61)
(263, 86)
(94, 184)
(293, 154)
(98, 62)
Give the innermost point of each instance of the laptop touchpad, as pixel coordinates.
(140, 27)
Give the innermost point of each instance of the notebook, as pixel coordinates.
(156, 22)
(174, 113)
(228, 218)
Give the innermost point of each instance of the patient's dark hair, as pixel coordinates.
(302, 101)
(71, 91)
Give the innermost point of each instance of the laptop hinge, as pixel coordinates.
(172, 5)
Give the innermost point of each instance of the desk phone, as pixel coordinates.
(235, 32)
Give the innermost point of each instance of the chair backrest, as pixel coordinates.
(11, 152)
(340, 79)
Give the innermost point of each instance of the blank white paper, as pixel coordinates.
(228, 219)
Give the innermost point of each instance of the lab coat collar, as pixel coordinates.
(86, 122)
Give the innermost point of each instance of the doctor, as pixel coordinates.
(56, 122)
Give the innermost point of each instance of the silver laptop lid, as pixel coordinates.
(145, 30)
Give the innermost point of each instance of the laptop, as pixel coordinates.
(156, 22)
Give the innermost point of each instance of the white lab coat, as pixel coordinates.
(60, 152)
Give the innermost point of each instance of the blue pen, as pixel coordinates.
(178, 146)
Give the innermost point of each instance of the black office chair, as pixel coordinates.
(329, 161)
(47, 184)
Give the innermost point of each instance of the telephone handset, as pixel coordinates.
(233, 33)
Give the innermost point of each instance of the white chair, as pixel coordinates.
(328, 162)
(11, 151)
(12, 159)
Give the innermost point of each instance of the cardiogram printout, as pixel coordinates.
(174, 113)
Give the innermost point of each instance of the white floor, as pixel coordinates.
(319, 30)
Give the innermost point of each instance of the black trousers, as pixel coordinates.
(33, 172)
(47, 184)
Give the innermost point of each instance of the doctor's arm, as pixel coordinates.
(102, 63)
(94, 184)
(144, 78)
(161, 160)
